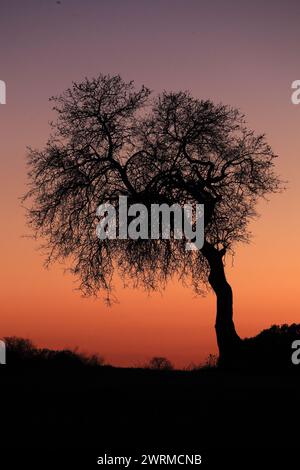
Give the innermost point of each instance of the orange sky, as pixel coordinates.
(246, 57)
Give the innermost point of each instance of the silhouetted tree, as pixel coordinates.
(110, 140)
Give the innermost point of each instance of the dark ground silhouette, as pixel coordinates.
(62, 400)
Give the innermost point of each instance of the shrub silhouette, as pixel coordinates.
(210, 362)
(22, 351)
(271, 348)
(160, 363)
(19, 349)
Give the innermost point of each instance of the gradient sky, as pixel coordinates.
(242, 53)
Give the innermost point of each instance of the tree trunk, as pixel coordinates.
(229, 342)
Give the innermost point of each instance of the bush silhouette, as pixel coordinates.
(21, 351)
(271, 348)
(160, 363)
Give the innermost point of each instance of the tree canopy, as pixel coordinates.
(112, 139)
